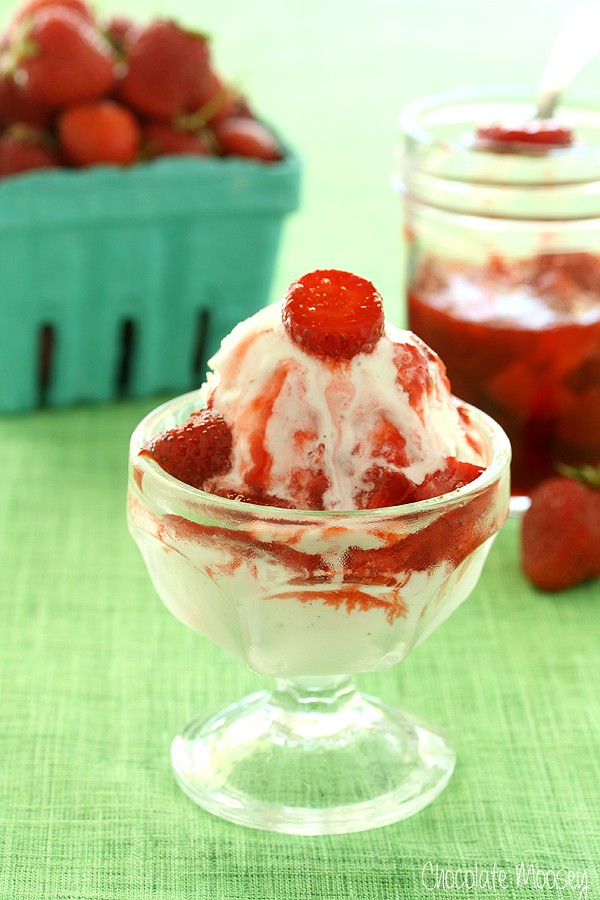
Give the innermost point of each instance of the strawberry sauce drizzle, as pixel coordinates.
(448, 540)
(352, 598)
(260, 412)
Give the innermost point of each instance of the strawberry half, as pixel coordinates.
(335, 314)
(194, 451)
(560, 535)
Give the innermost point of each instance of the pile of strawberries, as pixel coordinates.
(76, 91)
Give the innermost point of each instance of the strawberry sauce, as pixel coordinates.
(351, 577)
(522, 342)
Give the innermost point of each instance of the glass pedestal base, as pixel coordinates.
(312, 757)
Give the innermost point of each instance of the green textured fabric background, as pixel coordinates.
(96, 677)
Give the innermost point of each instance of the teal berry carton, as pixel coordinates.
(121, 282)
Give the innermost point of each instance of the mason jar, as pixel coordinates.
(503, 269)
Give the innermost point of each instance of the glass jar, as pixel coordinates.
(503, 269)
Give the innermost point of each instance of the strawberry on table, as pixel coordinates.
(60, 58)
(194, 451)
(99, 132)
(333, 314)
(560, 537)
(166, 68)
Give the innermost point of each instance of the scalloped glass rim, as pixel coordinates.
(180, 407)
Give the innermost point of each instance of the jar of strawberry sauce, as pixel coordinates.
(503, 266)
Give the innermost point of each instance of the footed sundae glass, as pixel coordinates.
(312, 598)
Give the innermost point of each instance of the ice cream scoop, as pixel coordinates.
(329, 408)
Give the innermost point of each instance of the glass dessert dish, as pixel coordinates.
(503, 268)
(312, 598)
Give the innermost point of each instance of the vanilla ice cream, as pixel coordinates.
(328, 586)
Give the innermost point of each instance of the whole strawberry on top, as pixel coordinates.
(560, 536)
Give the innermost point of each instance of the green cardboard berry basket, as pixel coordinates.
(122, 282)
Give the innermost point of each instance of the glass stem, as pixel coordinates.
(318, 694)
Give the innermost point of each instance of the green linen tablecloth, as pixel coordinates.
(96, 677)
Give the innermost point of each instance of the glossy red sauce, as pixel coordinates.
(535, 369)
(448, 539)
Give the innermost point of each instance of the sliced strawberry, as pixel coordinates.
(244, 136)
(389, 443)
(545, 133)
(388, 487)
(101, 131)
(454, 475)
(335, 314)
(194, 451)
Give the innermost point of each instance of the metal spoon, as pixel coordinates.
(577, 42)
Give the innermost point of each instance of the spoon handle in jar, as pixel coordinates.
(577, 42)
